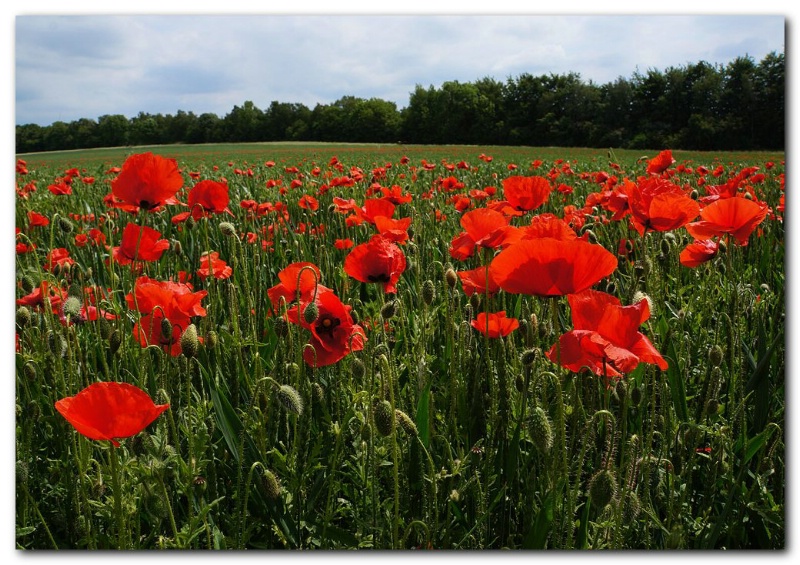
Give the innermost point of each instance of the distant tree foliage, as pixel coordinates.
(700, 106)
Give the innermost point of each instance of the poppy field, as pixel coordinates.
(399, 347)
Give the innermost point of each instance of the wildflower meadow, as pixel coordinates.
(325, 346)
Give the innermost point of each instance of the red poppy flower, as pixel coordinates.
(58, 258)
(551, 267)
(60, 189)
(735, 216)
(139, 244)
(308, 202)
(548, 225)
(342, 244)
(699, 252)
(606, 336)
(147, 181)
(35, 219)
(45, 291)
(474, 282)
(107, 411)
(483, 227)
(526, 193)
(333, 333)
(297, 282)
(378, 261)
(660, 163)
(497, 326)
(394, 230)
(375, 207)
(656, 204)
(212, 265)
(157, 300)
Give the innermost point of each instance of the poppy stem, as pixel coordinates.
(121, 542)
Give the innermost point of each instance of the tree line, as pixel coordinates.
(738, 106)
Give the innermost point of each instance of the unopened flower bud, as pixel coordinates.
(189, 341)
(290, 399)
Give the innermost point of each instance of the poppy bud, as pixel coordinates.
(71, 308)
(56, 343)
(541, 430)
(451, 278)
(664, 247)
(176, 247)
(611, 288)
(621, 389)
(475, 301)
(318, 393)
(748, 196)
(166, 330)
(715, 356)
(591, 237)
(199, 484)
(428, 292)
(65, 225)
(189, 341)
(290, 399)
(28, 283)
(694, 194)
(529, 356)
(29, 369)
(383, 417)
(211, 339)
(114, 341)
(632, 506)
(311, 313)
(280, 326)
(389, 310)
(75, 290)
(712, 406)
(21, 472)
(405, 422)
(23, 317)
(272, 487)
(358, 368)
(603, 488)
(519, 383)
(468, 311)
(636, 396)
(227, 229)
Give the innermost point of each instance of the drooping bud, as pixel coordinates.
(166, 330)
(358, 368)
(405, 422)
(23, 317)
(383, 417)
(541, 430)
(28, 283)
(451, 278)
(529, 356)
(114, 341)
(715, 356)
(428, 292)
(227, 229)
(56, 343)
(603, 488)
(272, 486)
(290, 399)
(65, 225)
(388, 310)
(280, 326)
(311, 313)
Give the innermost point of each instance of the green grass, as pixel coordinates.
(695, 453)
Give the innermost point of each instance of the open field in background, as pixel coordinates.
(424, 430)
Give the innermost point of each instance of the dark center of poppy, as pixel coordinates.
(146, 205)
(326, 325)
(381, 278)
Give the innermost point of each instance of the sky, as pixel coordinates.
(85, 66)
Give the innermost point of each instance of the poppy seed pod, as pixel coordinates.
(603, 488)
(290, 399)
(189, 341)
(383, 417)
